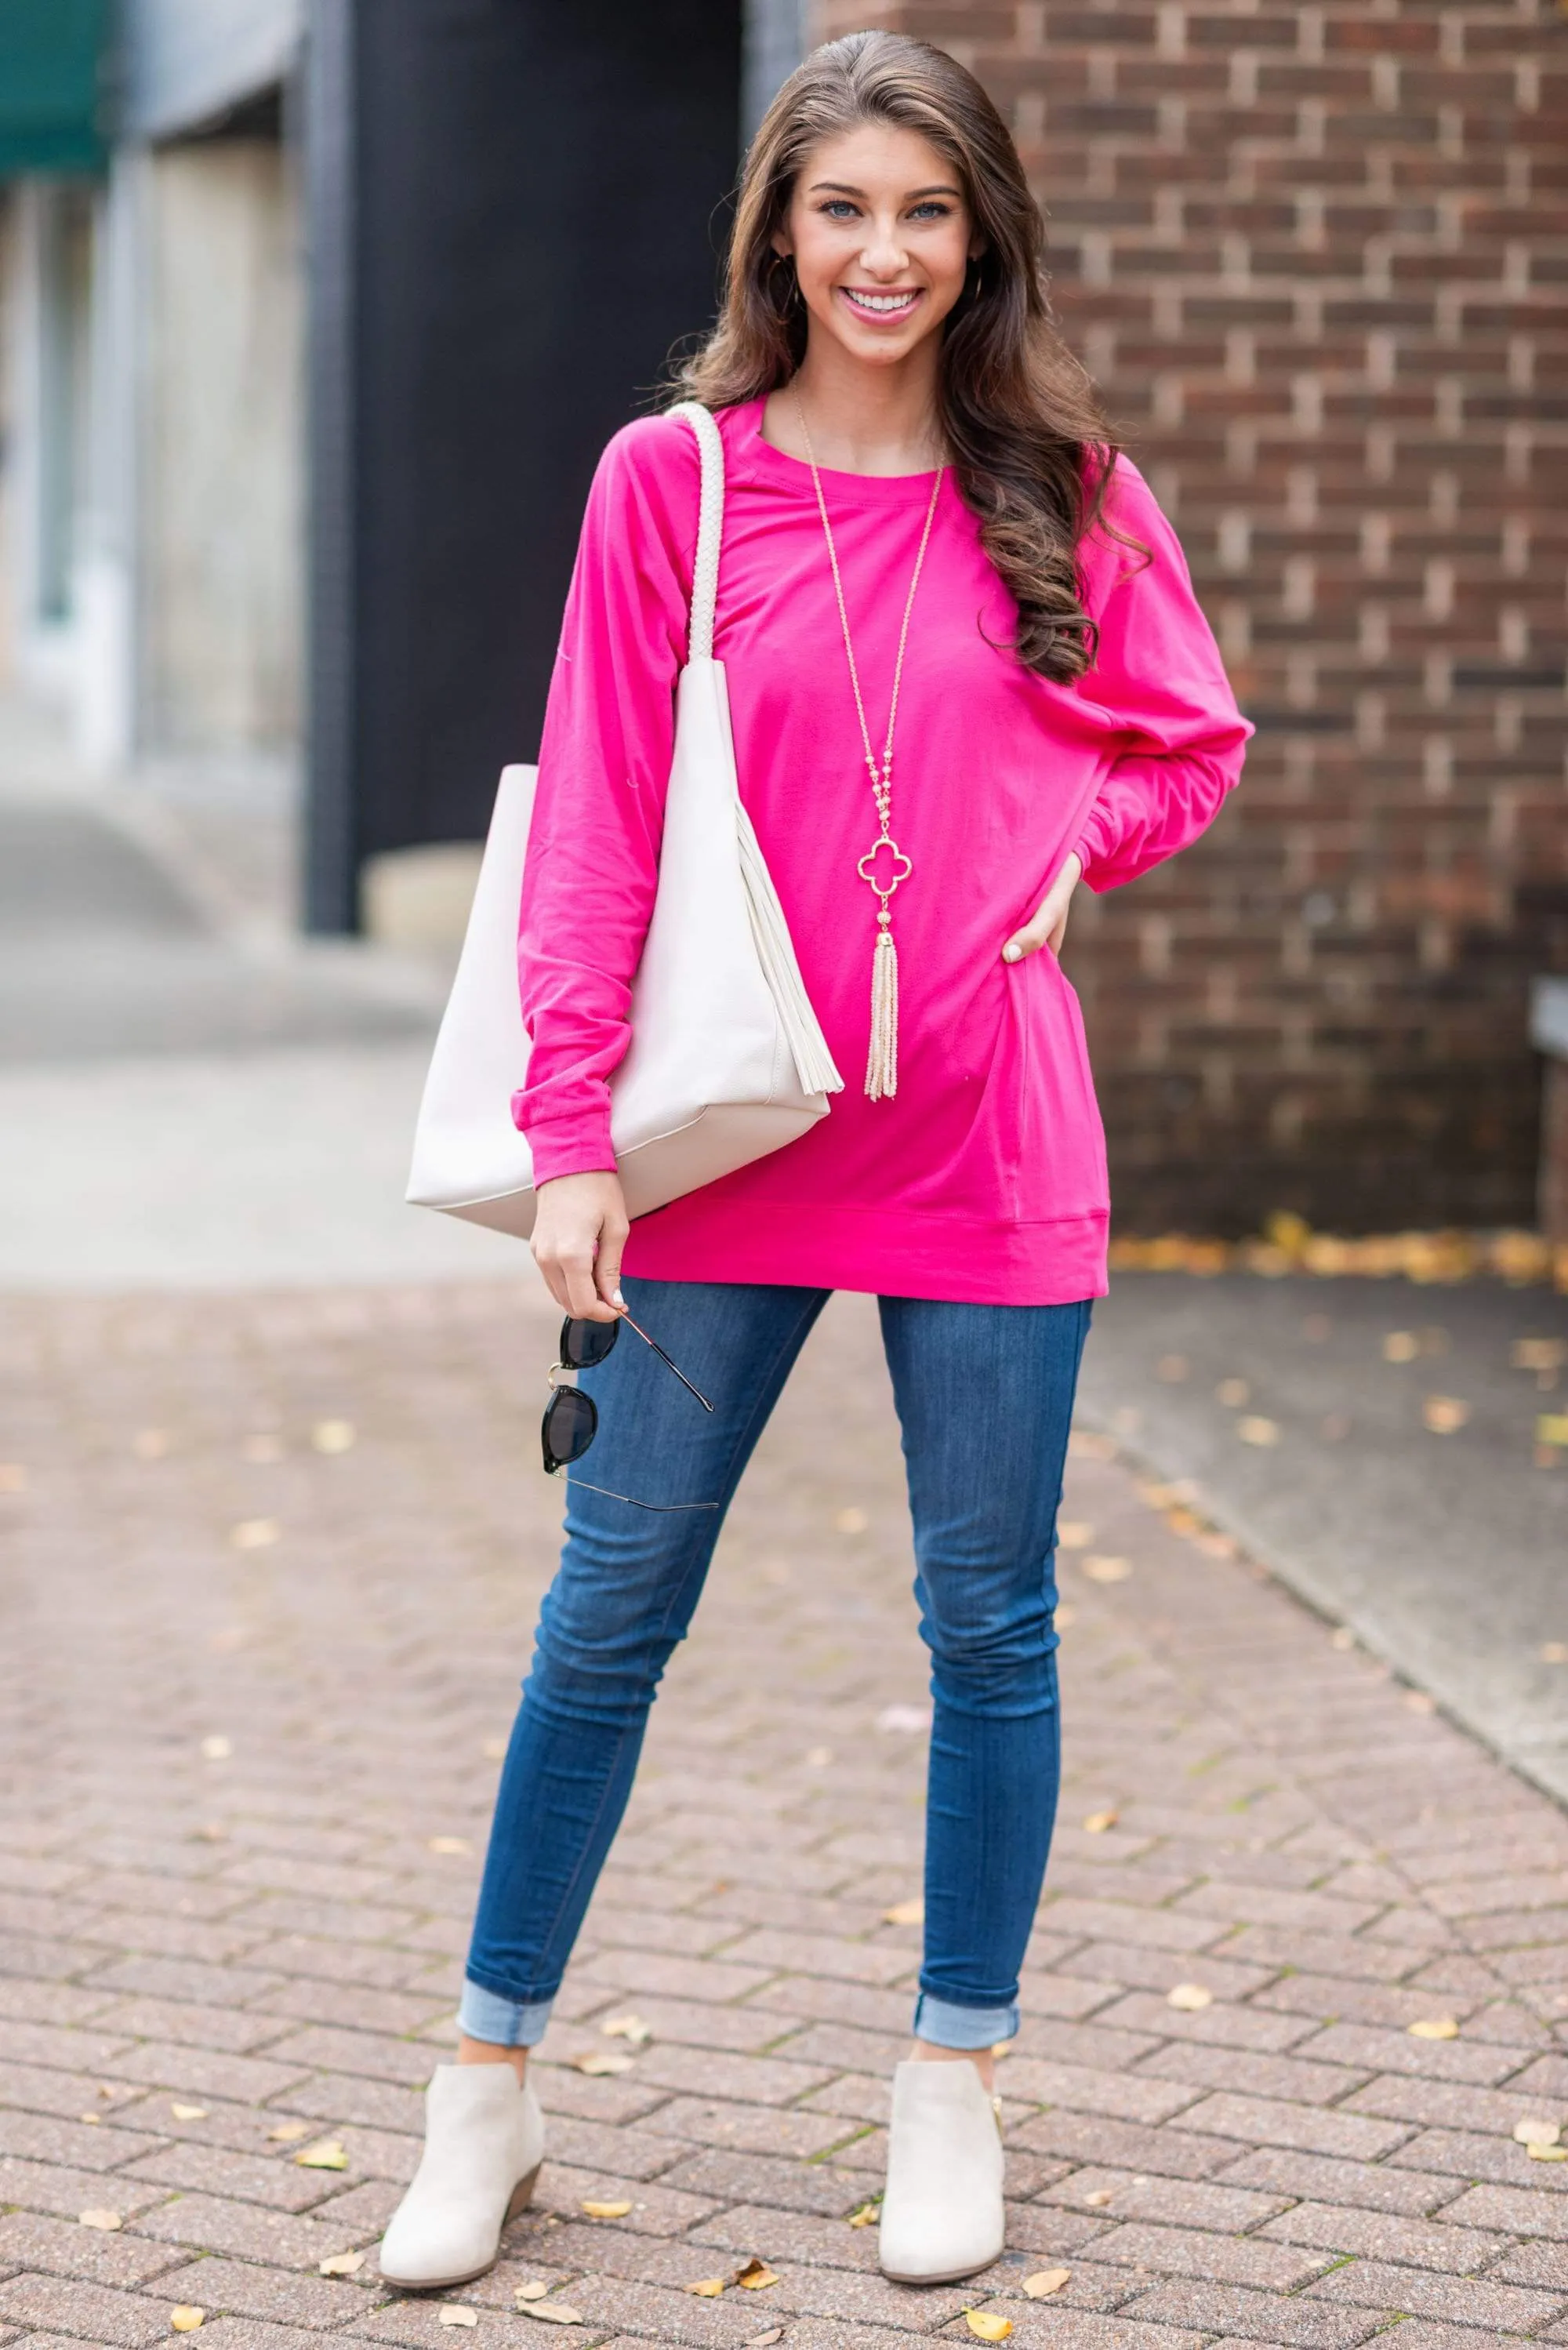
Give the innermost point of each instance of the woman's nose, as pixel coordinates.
(884, 254)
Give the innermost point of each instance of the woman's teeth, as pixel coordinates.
(881, 306)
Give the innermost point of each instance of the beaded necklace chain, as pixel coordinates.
(882, 1060)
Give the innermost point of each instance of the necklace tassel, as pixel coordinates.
(882, 1063)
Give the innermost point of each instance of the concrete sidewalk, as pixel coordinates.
(190, 1092)
(1378, 1444)
(272, 1562)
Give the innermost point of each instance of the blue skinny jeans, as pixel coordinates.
(984, 1396)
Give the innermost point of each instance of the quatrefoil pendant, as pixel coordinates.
(900, 869)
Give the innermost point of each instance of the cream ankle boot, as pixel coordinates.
(943, 2214)
(484, 2140)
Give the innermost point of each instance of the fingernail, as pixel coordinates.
(615, 1298)
(1011, 952)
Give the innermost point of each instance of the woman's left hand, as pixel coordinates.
(1049, 926)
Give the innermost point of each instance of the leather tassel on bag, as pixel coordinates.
(882, 1063)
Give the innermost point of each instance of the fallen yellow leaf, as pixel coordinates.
(290, 2133)
(1187, 1998)
(1547, 2153)
(188, 2113)
(756, 2276)
(988, 2324)
(533, 2290)
(906, 1913)
(1444, 1414)
(757, 2341)
(1045, 2282)
(332, 1435)
(186, 2317)
(606, 2210)
(326, 2154)
(1256, 1429)
(1107, 1570)
(450, 1845)
(1434, 2027)
(255, 1534)
(709, 2287)
(1099, 2197)
(551, 2312)
(340, 2264)
(108, 2220)
(597, 2062)
(89, 2118)
(865, 2218)
(452, 2313)
(1551, 1428)
(1401, 1346)
(1532, 2132)
(1074, 1534)
(628, 2027)
(1098, 1822)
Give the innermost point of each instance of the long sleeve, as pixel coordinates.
(604, 768)
(1159, 674)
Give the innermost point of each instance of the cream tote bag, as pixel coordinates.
(727, 1061)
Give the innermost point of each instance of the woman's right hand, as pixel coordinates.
(579, 1232)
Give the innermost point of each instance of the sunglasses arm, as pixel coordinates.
(664, 1358)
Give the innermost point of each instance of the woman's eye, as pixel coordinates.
(839, 208)
(932, 210)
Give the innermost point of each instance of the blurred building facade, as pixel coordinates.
(153, 307)
(310, 339)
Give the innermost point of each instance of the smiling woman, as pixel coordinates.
(931, 548)
(884, 192)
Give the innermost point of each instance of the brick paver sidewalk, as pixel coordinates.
(255, 1681)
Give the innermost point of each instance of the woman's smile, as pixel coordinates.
(881, 306)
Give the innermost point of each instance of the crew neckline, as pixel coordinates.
(794, 472)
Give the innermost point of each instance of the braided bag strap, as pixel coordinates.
(710, 527)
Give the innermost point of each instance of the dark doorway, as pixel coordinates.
(516, 208)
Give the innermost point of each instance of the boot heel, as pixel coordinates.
(522, 2193)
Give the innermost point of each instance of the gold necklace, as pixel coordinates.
(882, 1060)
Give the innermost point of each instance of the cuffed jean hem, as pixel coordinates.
(504, 2023)
(947, 2026)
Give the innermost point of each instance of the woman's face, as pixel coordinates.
(882, 238)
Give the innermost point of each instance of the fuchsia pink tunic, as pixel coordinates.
(985, 1180)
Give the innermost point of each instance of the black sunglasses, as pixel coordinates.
(571, 1419)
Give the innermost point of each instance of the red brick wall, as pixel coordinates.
(1317, 257)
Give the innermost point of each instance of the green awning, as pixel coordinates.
(53, 84)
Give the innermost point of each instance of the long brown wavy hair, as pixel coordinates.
(1028, 441)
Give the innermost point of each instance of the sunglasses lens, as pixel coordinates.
(571, 1423)
(584, 1343)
